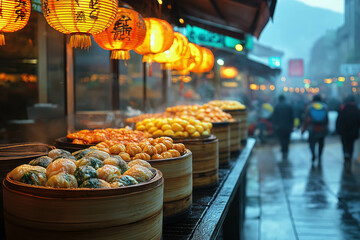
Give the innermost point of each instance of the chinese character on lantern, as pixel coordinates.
(94, 5)
(122, 28)
(20, 10)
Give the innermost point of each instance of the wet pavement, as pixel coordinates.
(291, 199)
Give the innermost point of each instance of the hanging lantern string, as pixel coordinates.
(160, 7)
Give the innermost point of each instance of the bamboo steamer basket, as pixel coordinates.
(222, 132)
(244, 130)
(205, 160)
(235, 136)
(13, 155)
(240, 115)
(178, 186)
(237, 114)
(132, 212)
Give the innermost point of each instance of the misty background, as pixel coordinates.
(298, 24)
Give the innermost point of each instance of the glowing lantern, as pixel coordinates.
(80, 18)
(228, 72)
(207, 62)
(14, 15)
(159, 37)
(191, 60)
(177, 50)
(121, 39)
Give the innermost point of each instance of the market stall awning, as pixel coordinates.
(228, 17)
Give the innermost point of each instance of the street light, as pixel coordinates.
(220, 62)
(239, 47)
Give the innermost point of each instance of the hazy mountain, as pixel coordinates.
(295, 28)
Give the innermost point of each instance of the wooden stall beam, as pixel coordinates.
(70, 87)
(42, 63)
(145, 73)
(164, 86)
(115, 86)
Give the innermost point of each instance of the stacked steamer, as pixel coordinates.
(196, 135)
(13, 155)
(89, 194)
(239, 127)
(173, 160)
(218, 118)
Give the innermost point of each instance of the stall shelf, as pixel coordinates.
(220, 208)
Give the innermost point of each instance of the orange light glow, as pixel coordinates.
(262, 87)
(79, 18)
(354, 90)
(307, 81)
(286, 89)
(302, 90)
(341, 79)
(352, 78)
(228, 72)
(230, 84)
(313, 90)
(354, 84)
(254, 87)
(177, 50)
(10, 21)
(328, 80)
(159, 37)
(207, 61)
(297, 90)
(291, 89)
(186, 79)
(111, 38)
(272, 87)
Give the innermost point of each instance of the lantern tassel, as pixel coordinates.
(2, 39)
(80, 40)
(120, 54)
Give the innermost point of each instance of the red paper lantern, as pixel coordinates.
(14, 15)
(159, 37)
(79, 18)
(126, 33)
(190, 61)
(177, 50)
(207, 62)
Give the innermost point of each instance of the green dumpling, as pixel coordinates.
(101, 155)
(82, 153)
(95, 183)
(89, 161)
(34, 178)
(84, 173)
(62, 180)
(59, 153)
(117, 162)
(67, 157)
(125, 180)
(43, 161)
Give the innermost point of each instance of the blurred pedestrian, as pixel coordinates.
(264, 126)
(347, 125)
(283, 124)
(316, 122)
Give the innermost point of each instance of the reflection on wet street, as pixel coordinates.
(291, 199)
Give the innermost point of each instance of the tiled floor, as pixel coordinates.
(292, 199)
